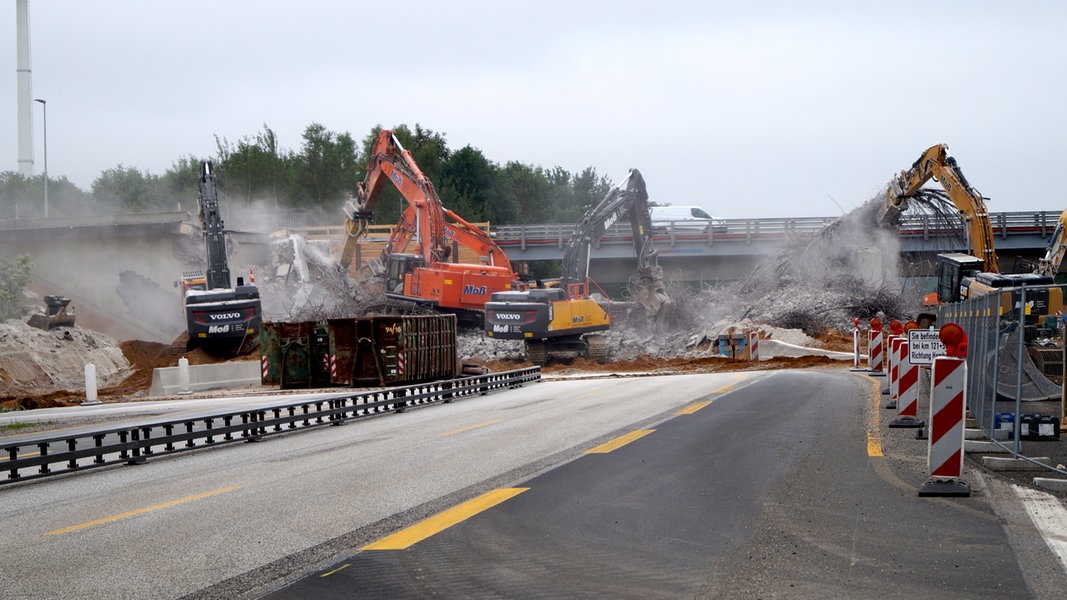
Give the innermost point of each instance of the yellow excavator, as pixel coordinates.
(962, 276)
(566, 318)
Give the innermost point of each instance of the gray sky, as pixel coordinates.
(755, 109)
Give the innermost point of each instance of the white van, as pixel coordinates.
(686, 218)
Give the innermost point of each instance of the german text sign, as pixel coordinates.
(923, 346)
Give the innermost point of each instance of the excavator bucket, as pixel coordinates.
(1036, 386)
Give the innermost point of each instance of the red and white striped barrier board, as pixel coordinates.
(892, 364)
(753, 345)
(264, 365)
(400, 362)
(948, 396)
(333, 366)
(907, 391)
(874, 352)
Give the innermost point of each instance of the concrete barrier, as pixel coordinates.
(166, 381)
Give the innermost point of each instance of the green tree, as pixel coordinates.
(13, 278)
(327, 166)
(128, 189)
(467, 181)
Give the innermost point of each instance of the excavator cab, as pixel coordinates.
(397, 267)
(953, 269)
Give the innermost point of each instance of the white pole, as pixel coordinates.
(90, 385)
(22, 69)
(183, 376)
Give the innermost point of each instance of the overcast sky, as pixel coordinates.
(755, 109)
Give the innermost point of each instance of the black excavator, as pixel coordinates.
(221, 319)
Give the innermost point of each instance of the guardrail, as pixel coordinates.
(557, 234)
(136, 444)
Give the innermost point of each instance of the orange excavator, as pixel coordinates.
(416, 259)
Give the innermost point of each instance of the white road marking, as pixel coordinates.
(1049, 516)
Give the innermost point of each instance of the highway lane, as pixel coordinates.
(772, 490)
(245, 517)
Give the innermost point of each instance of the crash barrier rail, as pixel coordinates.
(136, 444)
(558, 234)
(1012, 370)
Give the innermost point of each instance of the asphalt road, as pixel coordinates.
(767, 492)
(747, 485)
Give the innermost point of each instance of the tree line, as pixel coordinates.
(255, 171)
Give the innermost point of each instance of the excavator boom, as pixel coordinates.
(936, 163)
(425, 274)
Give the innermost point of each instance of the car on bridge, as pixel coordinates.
(685, 219)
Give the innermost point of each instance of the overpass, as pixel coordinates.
(730, 253)
(121, 268)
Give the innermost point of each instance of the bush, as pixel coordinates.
(13, 278)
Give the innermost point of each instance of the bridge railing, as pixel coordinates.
(75, 452)
(557, 234)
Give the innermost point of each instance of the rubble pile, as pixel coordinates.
(37, 361)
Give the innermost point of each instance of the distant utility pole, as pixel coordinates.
(44, 111)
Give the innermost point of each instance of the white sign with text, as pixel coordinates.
(924, 345)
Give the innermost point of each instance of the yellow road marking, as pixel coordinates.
(620, 441)
(341, 568)
(142, 510)
(462, 429)
(874, 434)
(692, 408)
(726, 388)
(442, 521)
(589, 395)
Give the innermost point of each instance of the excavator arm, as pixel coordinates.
(423, 220)
(1057, 249)
(937, 164)
(629, 198)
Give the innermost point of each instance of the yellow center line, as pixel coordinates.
(692, 408)
(468, 428)
(620, 441)
(142, 510)
(874, 434)
(442, 521)
(726, 388)
(589, 395)
(341, 568)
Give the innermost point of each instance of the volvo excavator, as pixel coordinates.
(567, 318)
(220, 318)
(962, 276)
(423, 275)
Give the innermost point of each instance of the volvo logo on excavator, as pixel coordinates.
(507, 316)
(224, 316)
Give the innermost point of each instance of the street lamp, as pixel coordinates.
(44, 112)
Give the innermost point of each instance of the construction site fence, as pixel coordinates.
(1005, 367)
(76, 452)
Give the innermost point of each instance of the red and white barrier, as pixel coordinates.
(874, 352)
(907, 391)
(333, 366)
(753, 345)
(948, 395)
(892, 362)
(264, 365)
(400, 362)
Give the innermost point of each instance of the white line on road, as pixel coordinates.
(1050, 518)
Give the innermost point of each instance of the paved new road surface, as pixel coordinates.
(752, 485)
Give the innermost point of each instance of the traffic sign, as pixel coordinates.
(924, 345)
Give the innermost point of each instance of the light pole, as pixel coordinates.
(44, 112)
